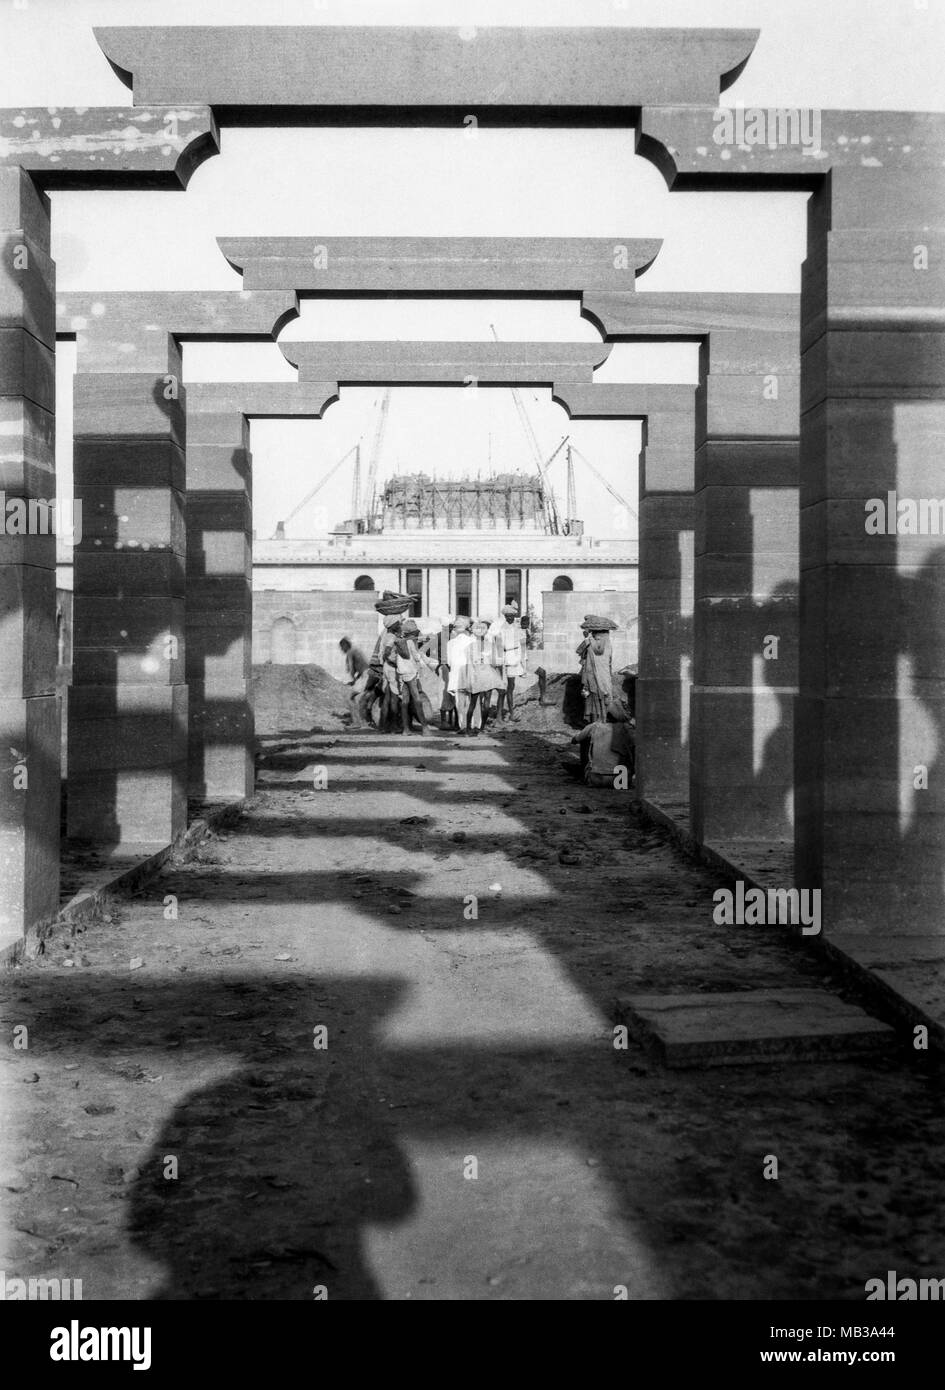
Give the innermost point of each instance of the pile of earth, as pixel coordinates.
(559, 708)
(562, 705)
(298, 699)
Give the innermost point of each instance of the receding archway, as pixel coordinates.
(283, 643)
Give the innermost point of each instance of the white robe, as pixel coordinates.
(509, 642)
(456, 650)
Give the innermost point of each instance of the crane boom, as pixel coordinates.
(551, 508)
(370, 482)
(572, 491)
(317, 488)
(356, 484)
(604, 483)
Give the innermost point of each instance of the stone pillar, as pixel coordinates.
(221, 745)
(870, 825)
(219, 595)
(128, 702)
(29, 705)
(667, 525)
(746, 581)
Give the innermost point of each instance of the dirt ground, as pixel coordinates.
(177, 1127)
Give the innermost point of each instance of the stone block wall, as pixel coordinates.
(563, 613)
(319, 618)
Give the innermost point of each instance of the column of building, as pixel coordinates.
(746, 579)
(221, 746)
(128, 700)
(666, 573)
(871, 712)
(667, 550)
(219, 593)
(29, 705)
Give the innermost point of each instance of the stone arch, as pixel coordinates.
(364, 584)
(283, 642)
(562, 584)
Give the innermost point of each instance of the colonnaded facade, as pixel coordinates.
(791, 663)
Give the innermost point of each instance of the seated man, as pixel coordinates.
(607, 745)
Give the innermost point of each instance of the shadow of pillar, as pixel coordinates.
(873, 424)
(29, 705)
(747, 549)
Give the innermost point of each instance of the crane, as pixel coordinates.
(281, 525)
(571, 512)
(551, 507)
(604, 483)
(356, 484)
(370, 483)
(551, 503)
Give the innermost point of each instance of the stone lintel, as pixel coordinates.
(316, 66)
(129, 332)
(689, 144)
(305, 399)
(620, 400)
(674, 314)
(462, 364)
(410, 265)
(63, 146)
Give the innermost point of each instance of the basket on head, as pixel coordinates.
(391, 602)
(593, 623)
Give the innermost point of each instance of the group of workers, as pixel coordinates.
(483, 662)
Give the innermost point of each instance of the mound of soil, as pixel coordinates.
(563, 704)
(561, 707)
(299, 698)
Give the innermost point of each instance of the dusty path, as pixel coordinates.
(454, 1046)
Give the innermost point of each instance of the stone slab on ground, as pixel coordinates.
(752, 1026)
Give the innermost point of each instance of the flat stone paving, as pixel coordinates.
(763, 1025)
(460, 917)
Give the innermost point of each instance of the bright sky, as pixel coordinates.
(859, 53)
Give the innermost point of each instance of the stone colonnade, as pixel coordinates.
(128, 703)
(870, 713)
(219, 619)
(869, 718)
(42, 150)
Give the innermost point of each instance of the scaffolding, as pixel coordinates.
(501, 502)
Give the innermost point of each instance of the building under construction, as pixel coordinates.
(502, 502)
(459, 546)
